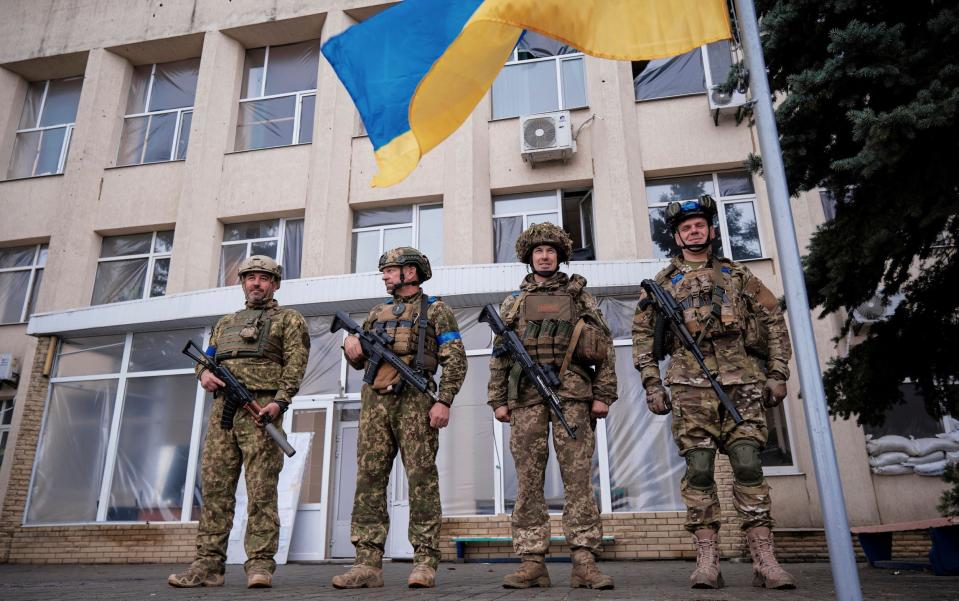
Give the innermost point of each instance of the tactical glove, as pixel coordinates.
(774, 392)
(657, 400)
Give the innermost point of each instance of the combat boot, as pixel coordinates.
(422, 576)
(259, 578)
(766, 570)
(586, 574)
(195, 576)
(359, 576)
(707, 574)
(532, 572)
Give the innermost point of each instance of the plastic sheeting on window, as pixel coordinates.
(37, 153)
(292, 249)
(37, 280)
(506, 231)
(619, 312)
(89, 356)
(72, 452)
(667, 77)
(535, 45)
(184, 141)
(383, 216)
(155, 351)
(366, 251)
(247, 230)
(430, 233)
(153, 449)
(13, 293)
(742, 230)
(20, 256)
(322, 374)
(230, 258)
(735, 183)
(119, 281)
(159, 140)
(121, 246)
(525, 89)
(139, 84)
(60, 105)
(292, 67)
(30, 116)
(573, 82)
(265, 123)
(174, 84)
(307, 110)
(132, 140)
(644, 463)
(397, 236)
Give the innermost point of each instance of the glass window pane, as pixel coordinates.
(322, 374)
(366, 251)
(18, 256)
(307, 108)
(506, 230)
(132, 139)
(574, 83)
(13, 293)
(383, 216)
(720, 61)
(543, 218)
(37, 280)
(524, 203)
(253, 73)
(735, 183)
(139, 83)
(51, 146)
(89, 356)
(153, 450)
(63, 97)
(163, 243)
(72, 451)
(525, 89)
(667, 77)
(312, 420)
(265, 123)
(292, 249)
(664, 245)
(42, 257)
(293, 67)
(174, 84)
(31, 105)
(159, 143)
(161, 273)
(251, 229)
(402, 236)
(431, 233)
(778, 450)
(619, 312)
(267, 248)
(133, 244)
(743, 231)
(119, 281)
(6, 412)
(186, 121)
(678, 188)
(26, 146)
(230, 258)
(644, 471)
(153, 351)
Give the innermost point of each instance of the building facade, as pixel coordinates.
(148, 148)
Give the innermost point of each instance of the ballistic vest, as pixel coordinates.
(400, 321)
(247, 335)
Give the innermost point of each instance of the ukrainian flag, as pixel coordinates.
(416, 70)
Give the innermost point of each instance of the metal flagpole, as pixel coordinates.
(844, 572)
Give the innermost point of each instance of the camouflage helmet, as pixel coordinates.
(539, 234)
(679, 211)
(261, 263)
(407, 255)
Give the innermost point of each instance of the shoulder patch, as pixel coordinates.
(725, 269)
(431, 299)
(388, 301)
(515, 293)
(676, 278)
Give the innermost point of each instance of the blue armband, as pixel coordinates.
(448, 337)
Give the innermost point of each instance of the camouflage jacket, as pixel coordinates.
(451, 352)
(578, 383)
(261, 373)
(727, 356)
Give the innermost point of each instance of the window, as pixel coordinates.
(133, 267)
(682, 75)
(910, 417)
(736, 224)
(46, 123)
(570, 209)
(21, 271)
(6, 418)
(275, 238)
(91, 467)
(378, 230)
(159, 113)
(278, 96)
(542, 75)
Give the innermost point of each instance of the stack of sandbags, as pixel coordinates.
(893, 455)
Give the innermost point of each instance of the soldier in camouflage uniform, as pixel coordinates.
(397, 417)
(562, 328)
(740, 328)
(266, 347)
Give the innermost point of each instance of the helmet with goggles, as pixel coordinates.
(679, 211)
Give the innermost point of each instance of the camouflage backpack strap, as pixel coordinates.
(511, 314)
(719, 292)
(577, 331)
(421, 334)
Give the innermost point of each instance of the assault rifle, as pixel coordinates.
(376, 347)
(544, 379)
(236, 396)
(670, 310)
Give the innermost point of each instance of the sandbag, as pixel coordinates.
(931, 469)
(953, 436)
(891, 443)
(952, 457)
(892, 458)
(892, 470)
(925, 446)
(930, 458)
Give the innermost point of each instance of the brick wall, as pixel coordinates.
(104, 543)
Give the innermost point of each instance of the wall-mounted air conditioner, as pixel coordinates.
(9, 367)
(546, 137)
(718, 58)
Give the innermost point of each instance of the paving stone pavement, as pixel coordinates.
(661, 580)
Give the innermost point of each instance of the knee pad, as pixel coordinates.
(699, 468)
(744, 458)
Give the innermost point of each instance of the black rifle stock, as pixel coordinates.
(377, 350)
(545, 380)
(236, 396)
(670, 310)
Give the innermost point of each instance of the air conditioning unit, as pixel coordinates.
(874, 310)
(546, 137)
(718, 58)
(9, 367)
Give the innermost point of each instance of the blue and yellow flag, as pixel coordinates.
(417, 70)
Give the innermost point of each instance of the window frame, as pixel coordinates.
(67, 135)
(297, 106)
(560, 193)
(39, 264)
(177, 130)
(280, 244)
(6, 405)
(151, 257)
(721, 202)
(559, 58)
(414, 235)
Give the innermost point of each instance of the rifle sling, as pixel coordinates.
(421, 334)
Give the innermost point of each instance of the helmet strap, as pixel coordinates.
(698, 248)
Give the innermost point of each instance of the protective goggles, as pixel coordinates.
(704, 206)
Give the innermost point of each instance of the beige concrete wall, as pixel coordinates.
(138, 198)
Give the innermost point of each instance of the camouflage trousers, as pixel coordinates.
(700, 422)
(224, 453)
(391, 423)
(529, 429)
